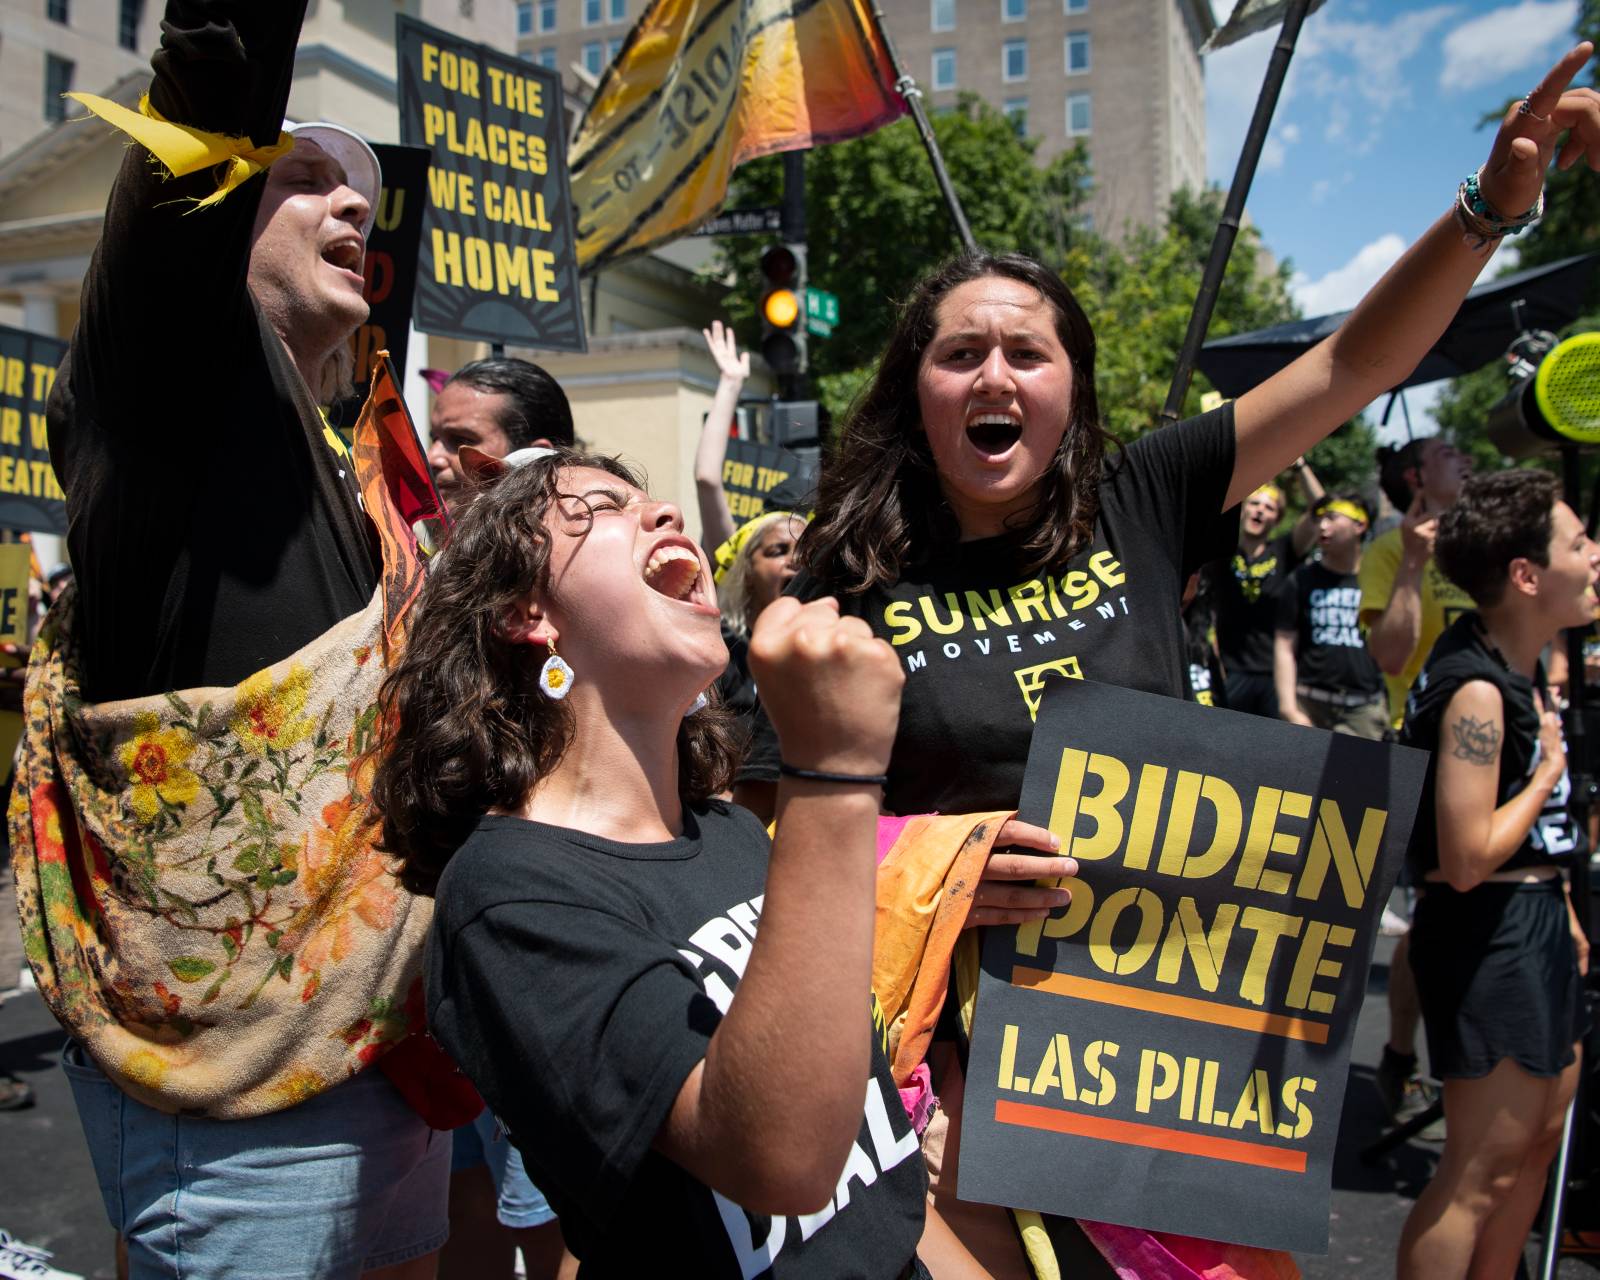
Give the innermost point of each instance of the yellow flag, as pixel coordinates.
(700, 87)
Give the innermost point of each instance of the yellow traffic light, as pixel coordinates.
(781, 308)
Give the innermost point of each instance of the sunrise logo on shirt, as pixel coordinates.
(1031, 680)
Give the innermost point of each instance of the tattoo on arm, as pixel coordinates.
(1477, 741)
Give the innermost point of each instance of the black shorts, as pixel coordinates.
(1498, 978)
(1253, 692)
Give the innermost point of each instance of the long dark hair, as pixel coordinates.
(466, 728)
(879, 504)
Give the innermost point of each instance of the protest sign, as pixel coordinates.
(390, 268)
(497, 262)
(30, 498)
(16, 566)
(761, 477)
(1169, 1051)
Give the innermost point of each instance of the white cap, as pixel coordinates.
(351, 152)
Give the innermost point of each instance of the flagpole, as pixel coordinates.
(1233, 211)
(906, 86)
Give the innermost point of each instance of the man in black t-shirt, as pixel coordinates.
(1325, 676)
(1247, 588)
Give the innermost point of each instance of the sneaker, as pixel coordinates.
(14, 1094)
(20, 1260)
(1394, 1072)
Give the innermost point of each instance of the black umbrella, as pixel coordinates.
(1551, 296)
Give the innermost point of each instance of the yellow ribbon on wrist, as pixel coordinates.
(183, 150)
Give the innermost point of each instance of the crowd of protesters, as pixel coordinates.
(416, 878)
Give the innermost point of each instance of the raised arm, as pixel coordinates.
(1305, 528)
(1393, 634)
(798, 1029)
(1394, 326)
(1476, 836)
(716, 521)
(168, 279)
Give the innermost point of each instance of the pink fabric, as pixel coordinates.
(1145, 1255)
(889, 830)
(918, 1098)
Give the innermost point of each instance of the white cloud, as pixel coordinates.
(1519, 37)
(1290, 133)
(1273, 153)
(1345, 286)
(1338, 63)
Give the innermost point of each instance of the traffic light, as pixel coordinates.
(783, 312)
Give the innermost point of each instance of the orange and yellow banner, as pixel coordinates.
(700, 87)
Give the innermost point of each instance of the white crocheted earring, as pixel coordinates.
(555, 679)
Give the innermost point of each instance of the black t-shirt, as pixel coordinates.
(578, 981)
(1463, 654)
(210, 525)
(979, 638)
(1323, 610)
(1247, 590)
(737, 687)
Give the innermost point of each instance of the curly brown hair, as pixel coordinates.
(879, 505)
(466, 728)
(1500, 516)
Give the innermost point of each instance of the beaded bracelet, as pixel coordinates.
(1480, 222)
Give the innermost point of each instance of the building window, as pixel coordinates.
(593, 58)
(57, 81)
(619, 10)
(944, 68)
(547, 15)
(547, 57)
(1074, 6)
(943, 15)
(1017, 110)
(592, 15)
(1014, 60)
(1077, 52)
(613, 48)
(1013, 10)
(128, 14)
(525, 18)
(1080, 115)
(56, 11)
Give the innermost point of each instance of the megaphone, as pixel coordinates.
(1555, 404)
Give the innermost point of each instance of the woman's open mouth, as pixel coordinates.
(674, 571)
(994, 434)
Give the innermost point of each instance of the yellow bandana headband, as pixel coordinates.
(1272, 491)
(184, 150)
(728, 552)
(1341, 507)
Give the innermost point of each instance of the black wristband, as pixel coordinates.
(849, 779)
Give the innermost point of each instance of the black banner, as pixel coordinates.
(496, 262)
(766, 477)
(30, 498)
(1169, 1051)
(390, 267)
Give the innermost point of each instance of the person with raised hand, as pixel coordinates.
(974, 516)
(671, 1015)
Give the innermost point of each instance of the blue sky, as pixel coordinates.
(1376, 126)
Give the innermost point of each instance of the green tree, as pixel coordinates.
(1139, 297)
(875, 223)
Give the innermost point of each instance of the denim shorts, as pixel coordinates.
(521, 1204)
(345, 1182)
